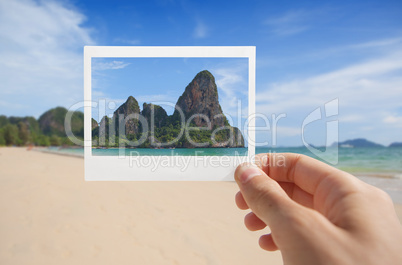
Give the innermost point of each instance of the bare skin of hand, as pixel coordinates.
(317, 214)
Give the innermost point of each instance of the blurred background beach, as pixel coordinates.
(50, 215)
(308, 54)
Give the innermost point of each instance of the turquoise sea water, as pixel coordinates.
(382, 161)
(381, 167)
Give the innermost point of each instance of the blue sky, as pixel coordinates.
(308, 53)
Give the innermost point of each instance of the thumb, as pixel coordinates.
(265, 197)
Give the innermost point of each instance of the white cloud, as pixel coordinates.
(200, 30)
(113, 65)
(290, 23)
(352, 118)
(228, 78)
(377, 43)
(41, 55)
(393, 120)
(232, 81)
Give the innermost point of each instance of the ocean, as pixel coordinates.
(380, 161)
(381, 166)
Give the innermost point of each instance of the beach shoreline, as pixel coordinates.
(390, 182)
(361, 162)
(48, 151)
(67, 152)
(52, 216)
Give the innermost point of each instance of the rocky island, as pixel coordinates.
(198, 121)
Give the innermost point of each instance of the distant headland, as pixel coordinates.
(362, 143)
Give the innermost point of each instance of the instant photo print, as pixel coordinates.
(168, 113)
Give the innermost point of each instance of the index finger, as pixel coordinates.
(304, 171)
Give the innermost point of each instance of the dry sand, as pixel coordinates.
(50, 215)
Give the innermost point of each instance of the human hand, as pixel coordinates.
(317, 214)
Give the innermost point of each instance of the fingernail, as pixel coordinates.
(249, 173)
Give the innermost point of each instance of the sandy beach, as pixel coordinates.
(50, 215)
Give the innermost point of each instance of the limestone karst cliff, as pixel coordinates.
(200, 110)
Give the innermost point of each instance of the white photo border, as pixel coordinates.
(114, 168)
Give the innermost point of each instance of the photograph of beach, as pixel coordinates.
(327, 86)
